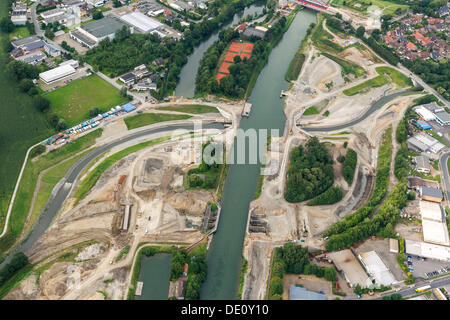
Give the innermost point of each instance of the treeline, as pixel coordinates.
(129, 50)
(331, 196)
(310, 171)
(349, 166)
(18, 261)
(241, 71)
(381, 186)
(291, 258)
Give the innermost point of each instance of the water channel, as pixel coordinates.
(155, 277)
(186, 86)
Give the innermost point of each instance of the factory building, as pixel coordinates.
(433, 223)
(427, 250)
(376, 268)
(90, 34)
(142, 23)
(56, 74)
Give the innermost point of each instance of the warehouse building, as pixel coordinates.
(433, 223)
(422, 164)
(376, 268)
(300, 293)
(431, 111)
(422, 142)
(19, 13)
(142, 23)
(90, 34)
(253, 32)
(33, 58)
(427, 250)
(350, 268)
(431, 194)
(56, 74)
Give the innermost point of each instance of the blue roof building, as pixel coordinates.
(299, 293)
(128, 107)
(423, 125)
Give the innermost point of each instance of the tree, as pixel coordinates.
(53, 120)
(41, 103)
(123, 91)
(276, 286)
(6, 25)
(62, 124)
(360, 32)
(97, 15)
(94, 112)
(49, 34)
(26, 84)
(330, 273)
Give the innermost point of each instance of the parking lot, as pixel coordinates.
(426, 268)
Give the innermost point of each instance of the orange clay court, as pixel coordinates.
(242, 49)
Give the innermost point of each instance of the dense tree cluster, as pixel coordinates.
(241, 71)
(310, 172)
(18, 261)
(197, 273)
(428, 7)
(331, 196)
(179, 258)
(205, 175)
(349, 166)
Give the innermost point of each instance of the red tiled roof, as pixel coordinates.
(411, 46)
(388, 38)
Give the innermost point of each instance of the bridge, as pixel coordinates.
(319, 5)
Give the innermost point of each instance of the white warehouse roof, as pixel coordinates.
(376, 268)
(427, 250)
(57, 73)
(426, 114)
(430, 210)
(141, 22)
(435, 232)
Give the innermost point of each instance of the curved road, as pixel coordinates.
(63, 188)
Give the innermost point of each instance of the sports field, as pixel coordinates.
(242, 49)
(73, 101)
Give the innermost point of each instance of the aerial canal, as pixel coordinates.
(186, 85)
(225, 254)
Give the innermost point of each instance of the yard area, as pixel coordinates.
(19, 33)
(73, 101)
(398, 78)
(146, 119)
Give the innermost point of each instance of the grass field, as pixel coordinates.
(29, 179)
(73, 102)
(21, 127)
(191, 108)
(398, 78)
(310, 111)
(322, 39)
(146, 119)
(21, 32)
(372, 83)
(387, 6)
(89, 182)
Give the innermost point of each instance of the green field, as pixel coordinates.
(146, 119)
(73, 102)
(398, 78)
(372, 83)
(191, 108)
(310, 111)
(20, 32)
(322, 39)
(387, 6)
(21, 127)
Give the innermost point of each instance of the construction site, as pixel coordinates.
(357, 121)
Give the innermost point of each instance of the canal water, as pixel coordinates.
(186, 85)
(155, 273)
(225, 254)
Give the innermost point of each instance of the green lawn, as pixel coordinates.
(372, 83)
(146, 119)
(398, 78)
(310, 111)
(20, 32)
(191, 108)
(73, 101)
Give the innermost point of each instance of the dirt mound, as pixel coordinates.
(191, 202)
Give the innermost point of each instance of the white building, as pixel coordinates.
(56, 74)
(376, 268)
(19, 13)
(427, 250)
(74, 63)
(96, 3)
(141, 22)
(433, 223)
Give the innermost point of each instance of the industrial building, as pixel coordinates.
(19, 13)
(431, 194)
(56, 74)
(90, 34)
(376, 268)
(142, 23)
(431, 111)
(300, 293)
(422, 164)
(33, 58)
(427, 250)
(349, 268)
(422, 142)
(253, 32)
(128, 107)
(433, 223)
(74, 63)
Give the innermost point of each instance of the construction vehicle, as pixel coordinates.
(372, 172)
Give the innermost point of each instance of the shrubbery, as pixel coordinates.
(331, 196)
(349, 166)
(18, 261)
